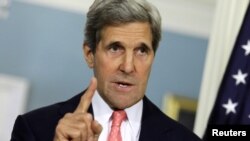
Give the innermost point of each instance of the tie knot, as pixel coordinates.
(118, 117)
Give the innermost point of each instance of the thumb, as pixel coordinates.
(97, 129)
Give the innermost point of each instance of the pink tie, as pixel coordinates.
(117, 118)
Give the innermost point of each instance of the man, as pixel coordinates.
(121, 39)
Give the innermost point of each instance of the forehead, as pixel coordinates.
(134, 31)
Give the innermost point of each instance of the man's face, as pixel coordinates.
(122, 63)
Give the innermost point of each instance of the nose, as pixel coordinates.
(127, 66)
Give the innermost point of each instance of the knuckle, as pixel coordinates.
(60, 123)
(77, 133)
(59, 129)
(68, 115)
(83, 126)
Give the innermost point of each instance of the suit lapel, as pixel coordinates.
(70, 105)
(151, 126)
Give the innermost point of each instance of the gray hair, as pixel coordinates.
(116, 12)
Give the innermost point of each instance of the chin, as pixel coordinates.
(122, 104)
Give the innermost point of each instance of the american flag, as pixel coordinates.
(232, 105)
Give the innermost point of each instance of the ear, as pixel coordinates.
(89, 55)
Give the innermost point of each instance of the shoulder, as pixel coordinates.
(156, 120)
(49, 112)
(41, 123)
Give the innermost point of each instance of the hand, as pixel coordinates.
(79, 125)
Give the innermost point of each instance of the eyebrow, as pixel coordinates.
(118, 43)
(114, 43)
(145, 46)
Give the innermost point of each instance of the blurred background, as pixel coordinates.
(41, 59)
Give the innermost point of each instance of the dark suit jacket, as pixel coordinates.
(40, 124)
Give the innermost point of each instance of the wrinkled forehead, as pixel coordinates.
(128, 34)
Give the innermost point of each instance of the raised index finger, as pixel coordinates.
(86, 98)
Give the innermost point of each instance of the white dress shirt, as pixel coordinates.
(130, 128)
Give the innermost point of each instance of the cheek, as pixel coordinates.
(104, 67)
(143, 76)
(144, 69)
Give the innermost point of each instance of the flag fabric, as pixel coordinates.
(232, 105)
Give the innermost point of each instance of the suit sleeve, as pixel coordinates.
(22, 131)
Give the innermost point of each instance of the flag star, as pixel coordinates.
(247, 48)
(230, 106)
(240, 77)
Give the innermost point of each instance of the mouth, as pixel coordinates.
(123, 86)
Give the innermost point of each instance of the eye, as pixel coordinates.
(143, 50)
(115, 48)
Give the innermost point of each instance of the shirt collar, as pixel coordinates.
(101, 109)
(134, 114)
(103, 112)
